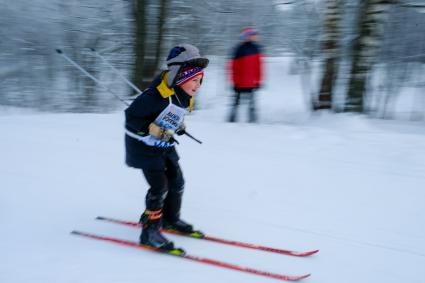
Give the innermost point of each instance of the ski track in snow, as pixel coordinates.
(350, 186)
(315, 186)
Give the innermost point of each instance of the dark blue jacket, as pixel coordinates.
(140, 114)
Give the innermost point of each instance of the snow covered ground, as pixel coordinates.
(350, 186)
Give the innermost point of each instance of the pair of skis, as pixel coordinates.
(198, 235)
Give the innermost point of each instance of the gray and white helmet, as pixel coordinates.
(180, 56)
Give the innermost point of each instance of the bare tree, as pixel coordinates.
(149, 35)
(330, 49)
(139, 42)
(161, 31)
(370, 19)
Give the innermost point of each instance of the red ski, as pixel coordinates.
(202, 236)
(181, 254)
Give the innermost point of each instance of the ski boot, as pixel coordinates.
(181, 227)
(151, 234)
(178, 225)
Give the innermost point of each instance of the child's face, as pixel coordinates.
(192, 85)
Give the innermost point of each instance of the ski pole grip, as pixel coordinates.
(172, 139)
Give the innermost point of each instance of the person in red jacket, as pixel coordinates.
(246, 69)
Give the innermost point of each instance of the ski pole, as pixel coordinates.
(116, 71)
(192, 137)
(130, 83)
(60, 52)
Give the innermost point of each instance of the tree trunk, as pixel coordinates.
(370, 20)
(139, 42)
(148, 41)
(161, 31)
(331, 51)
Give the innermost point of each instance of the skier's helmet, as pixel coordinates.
(181, 56)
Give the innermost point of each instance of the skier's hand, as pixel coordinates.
(160, 132)
(181, 130)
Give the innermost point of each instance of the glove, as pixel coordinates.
(160, 132)
(181, 130)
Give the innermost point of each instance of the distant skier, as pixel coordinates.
(151, 122)
(246, 72)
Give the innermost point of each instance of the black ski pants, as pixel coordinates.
(166, 190)
(248, 93)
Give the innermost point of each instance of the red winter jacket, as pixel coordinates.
(246, 67)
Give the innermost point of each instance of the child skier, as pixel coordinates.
(150, 124)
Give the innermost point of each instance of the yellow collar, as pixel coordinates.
(163, 88)
(166, 92)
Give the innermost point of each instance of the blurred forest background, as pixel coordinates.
(367, 50)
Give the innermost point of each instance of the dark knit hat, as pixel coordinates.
(180, 57)
(186, 73)
(247, 32)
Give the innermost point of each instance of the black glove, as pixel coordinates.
(181, 130)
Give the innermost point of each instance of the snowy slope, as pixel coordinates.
(353, 188)
(349, 186)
